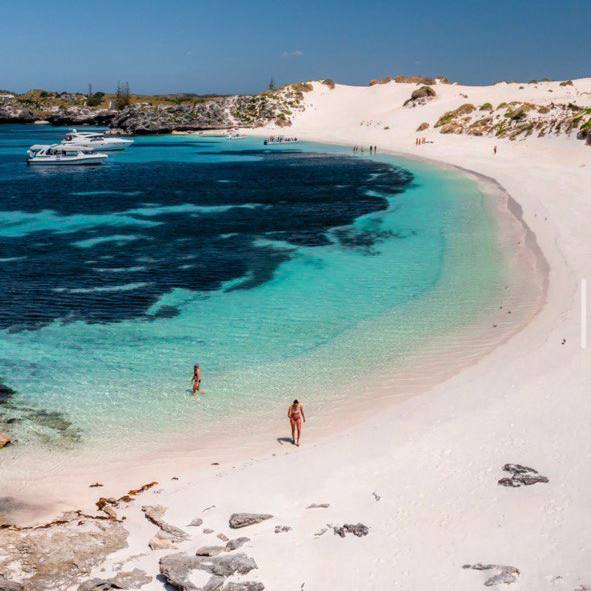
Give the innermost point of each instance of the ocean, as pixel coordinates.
(285, 271)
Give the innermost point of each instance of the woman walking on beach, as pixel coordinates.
(296, 415)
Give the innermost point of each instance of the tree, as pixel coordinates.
(122, 98)
(95, 99)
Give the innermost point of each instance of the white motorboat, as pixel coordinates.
(279, 139)
(59, 154)
(95, 140)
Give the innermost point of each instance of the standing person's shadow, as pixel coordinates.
(282, 440)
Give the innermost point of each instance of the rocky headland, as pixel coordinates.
(156, 115)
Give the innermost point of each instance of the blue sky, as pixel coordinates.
(230, 46)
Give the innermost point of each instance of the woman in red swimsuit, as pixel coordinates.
(296, 415)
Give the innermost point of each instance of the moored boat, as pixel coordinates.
(58, 154)
(95, 140)
(279, 139)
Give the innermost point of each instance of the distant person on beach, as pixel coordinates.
(495, 150)
(296, 415)
(196, 379)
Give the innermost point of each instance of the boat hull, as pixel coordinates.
(91, 161)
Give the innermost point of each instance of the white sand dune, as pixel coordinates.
(433, 460)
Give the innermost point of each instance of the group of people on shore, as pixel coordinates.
(295, 412)
(371, 149)
(420, 141)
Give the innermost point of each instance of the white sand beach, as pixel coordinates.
(422, 473)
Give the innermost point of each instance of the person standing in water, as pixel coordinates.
(296, 414)
(196, 379)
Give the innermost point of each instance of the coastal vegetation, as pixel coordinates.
(516, 120)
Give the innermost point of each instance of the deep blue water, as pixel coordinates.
(161, 225)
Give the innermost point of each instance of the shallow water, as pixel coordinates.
(284, 272)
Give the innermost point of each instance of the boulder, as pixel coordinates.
(124, 580)
(181, 570)
(238, 520)
(521, 476)
(228, 565)
(423, 126)
(4, 440)
(358, 530)
(210, 550)
(196, 522)
(236, 543)
(420, 96)
(505, 574)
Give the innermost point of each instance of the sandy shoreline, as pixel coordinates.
(422, 474)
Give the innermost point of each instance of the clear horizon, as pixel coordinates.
(232, 47)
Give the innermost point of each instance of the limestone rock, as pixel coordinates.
(223, 537)
(318, 506)
(238, 520)
(124, 580)
(60, 554)
(155, 513)
(358, 530)
(4, 440)
(196, 522)
(181, 570)
(210, 550)
(420, 96)
(521, 476)
(505, 574)
(279, 529)
(228, 565)
(245, 586)
(6, 585)
(162, 541)
(236, 543)
(423, 126)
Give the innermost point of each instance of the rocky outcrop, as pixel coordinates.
(60, 554)
(6, 585)
(17, 109)
(238, 520)
(245, 586)
(504, 574)
(124, 580)
(194, 573)
(236, 543)
(521, 476)
(358, 529)
(214, 113)
(168, 536)
(420, 96)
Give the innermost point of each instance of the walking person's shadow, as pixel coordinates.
(282, 440)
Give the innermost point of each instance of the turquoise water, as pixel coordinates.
(191, 249)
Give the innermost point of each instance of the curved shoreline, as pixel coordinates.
(189, 457)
